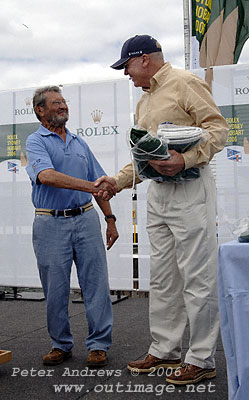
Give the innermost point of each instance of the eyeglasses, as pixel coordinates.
(129, 62)
(59, 102)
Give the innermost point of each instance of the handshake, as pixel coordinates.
(104, 188)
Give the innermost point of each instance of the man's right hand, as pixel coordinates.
(106, 187)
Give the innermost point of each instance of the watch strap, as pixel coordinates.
(110, 216)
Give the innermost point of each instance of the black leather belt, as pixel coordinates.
(69, 212)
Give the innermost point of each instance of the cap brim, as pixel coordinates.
(120, 63)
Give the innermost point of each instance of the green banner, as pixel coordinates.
(205, 12)
(201, 13)
(13, 140)
(237, 118)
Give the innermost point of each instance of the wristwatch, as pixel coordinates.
(110, 216)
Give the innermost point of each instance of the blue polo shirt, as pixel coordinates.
(45, 150)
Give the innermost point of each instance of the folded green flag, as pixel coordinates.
(146, 147)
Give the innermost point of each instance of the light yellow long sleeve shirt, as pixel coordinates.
(181, 98)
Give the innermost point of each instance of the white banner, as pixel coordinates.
(17, 121)
(100, 113)
(231, 92)
(101, 116)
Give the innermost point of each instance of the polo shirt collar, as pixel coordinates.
(45, 132)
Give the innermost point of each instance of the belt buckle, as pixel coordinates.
(65, 213)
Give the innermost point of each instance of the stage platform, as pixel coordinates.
(23, 332)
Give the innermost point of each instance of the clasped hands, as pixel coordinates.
(106, 187)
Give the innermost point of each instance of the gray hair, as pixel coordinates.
(157, 56)
(39, 98)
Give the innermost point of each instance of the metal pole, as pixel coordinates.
(186, 25)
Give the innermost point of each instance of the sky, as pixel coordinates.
(75, 41)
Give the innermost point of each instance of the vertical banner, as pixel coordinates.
(201, 12)
(219, 29)
(17, 121)
(231, 93)
(100, 114)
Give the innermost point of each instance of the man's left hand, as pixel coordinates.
(171, 166)
(111, 233)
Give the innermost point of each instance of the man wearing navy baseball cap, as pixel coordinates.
(135, 47)
(181, 217)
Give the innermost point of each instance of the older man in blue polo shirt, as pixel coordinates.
(66, 228)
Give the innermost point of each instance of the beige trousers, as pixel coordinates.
(181, 223)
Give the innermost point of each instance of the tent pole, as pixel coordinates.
(186, 24)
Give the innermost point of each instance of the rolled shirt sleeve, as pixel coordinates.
(124, 177)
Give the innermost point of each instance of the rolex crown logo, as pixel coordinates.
(96, 116)
(27, 101)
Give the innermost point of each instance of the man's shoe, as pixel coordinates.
(97, 358)
(56, 356)
(151, 363)
(189, 373)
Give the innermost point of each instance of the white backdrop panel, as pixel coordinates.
(231, 93)
(22, 106)
(107, 140)
(106, 137)
(6, 109)
(18, 264)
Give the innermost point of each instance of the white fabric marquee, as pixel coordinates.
(102, 113)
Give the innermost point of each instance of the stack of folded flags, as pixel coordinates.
(145, 146)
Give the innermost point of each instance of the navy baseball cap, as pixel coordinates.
(136, 47)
